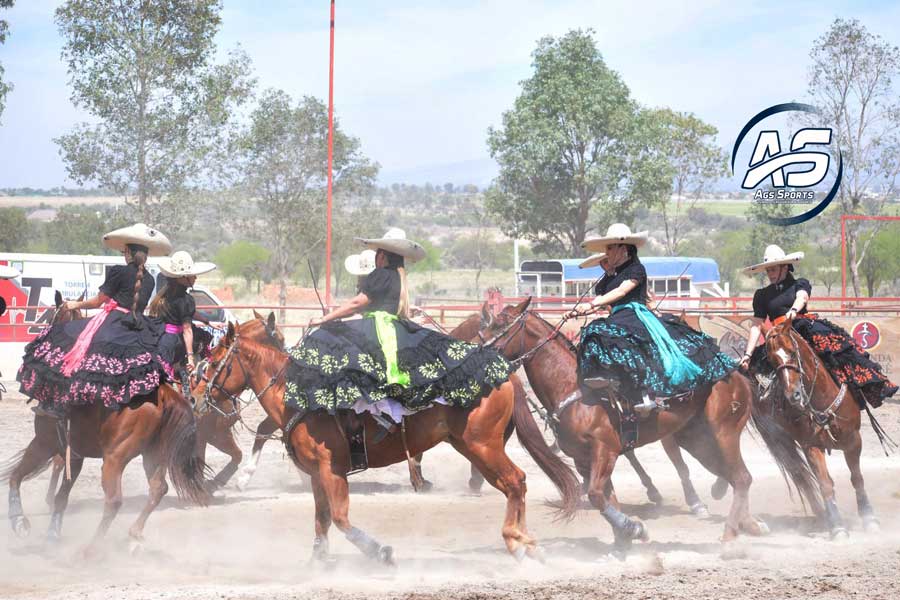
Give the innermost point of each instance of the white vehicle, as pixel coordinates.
(43, 274)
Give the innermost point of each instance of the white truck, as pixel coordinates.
(43, 274)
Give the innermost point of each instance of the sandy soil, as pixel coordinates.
(255, 544)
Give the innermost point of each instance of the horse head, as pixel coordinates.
(508, 329)
(263, 330)
(61, 314)
(222, 377)
(793, 361)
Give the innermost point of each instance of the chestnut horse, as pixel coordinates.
(708, 424)
(819, 416)
(318, 444)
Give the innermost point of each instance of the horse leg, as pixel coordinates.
(499, 471)
(833, 518)
(866, 512)
(652, 493)
(697, 506)
(61, 501)
(323, 521)
(36, 456)
(223, 440)
(265, 428)
(476, 479)
(111, 482)
(155, 470)
(417, 465)
(57, 465)
(625, 530)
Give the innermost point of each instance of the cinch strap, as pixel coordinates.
(678, 367)
(387, 338)
(73, 358)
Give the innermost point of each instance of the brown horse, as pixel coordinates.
(708, 423)
(818, 415)
(318, 445)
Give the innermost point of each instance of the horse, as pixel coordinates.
(160, 427)
(317, 443)
(817, 415)
(708, 423)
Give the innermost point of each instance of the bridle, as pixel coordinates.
(519, 323)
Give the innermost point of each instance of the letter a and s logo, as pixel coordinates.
(768, 161)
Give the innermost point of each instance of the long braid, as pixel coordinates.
(138, 257)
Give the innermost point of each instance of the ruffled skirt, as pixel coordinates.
(121, 363)
(620, 348)
(341, 365)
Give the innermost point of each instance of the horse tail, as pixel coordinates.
(178, 433)
(12, 463)
(532, 440)
(887, 444)
(788, 456)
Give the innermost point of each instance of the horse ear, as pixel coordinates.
(229, 335)
(57, 299)
(270, 323)
(256, 315)
(487, 316)
(522, 306)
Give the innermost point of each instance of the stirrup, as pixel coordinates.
(646, 406)
(601, 383)
(385, 427)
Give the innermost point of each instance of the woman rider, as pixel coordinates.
(373, 363)
(176, 308)
(786, 296)
(112, 357)
(360, 265)
(648, 356)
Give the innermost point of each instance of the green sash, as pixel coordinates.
(387, 338)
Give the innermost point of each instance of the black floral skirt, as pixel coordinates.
(620, 348)
(845, 360)
(341, 365)
(121, 363)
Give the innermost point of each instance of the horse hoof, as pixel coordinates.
(839, 534)
(386, 556)
(654, 496)
(135, 547)
(719, 489)
(242, 482)
(535, 552)
(21, 526)
(427, 486)
(762, 527)
(698, 509)
(519, 554)
(475, 486)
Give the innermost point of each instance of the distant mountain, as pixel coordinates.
(479, 172)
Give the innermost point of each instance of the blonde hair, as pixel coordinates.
(403, 304)
(158, 304)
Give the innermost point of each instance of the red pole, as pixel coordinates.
(330, 159)
(843, 260)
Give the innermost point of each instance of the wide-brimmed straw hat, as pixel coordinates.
(360, 264)
(395, 241)
(773, 256)
(181, 264)
(617, 233)
(155, 241)
(7, 272)
(593, 260)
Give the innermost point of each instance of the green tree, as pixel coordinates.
(5, 87)
(852, 81)
(243, 259)
(78, 229)
(762, 234)
(821, 265)
(574, 141)
(695, 161)
(144, 71)
(14, 229)
(280, 164)
(881, 264)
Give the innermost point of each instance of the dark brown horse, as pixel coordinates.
(819, 416)
(708, 424)
(318, 444)
(160, 428)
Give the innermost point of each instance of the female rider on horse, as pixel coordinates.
(367, 364)
(112, 357)
(786, 296)
(176, 308)
(648, 356)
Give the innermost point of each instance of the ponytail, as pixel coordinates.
(158, 304)
(138, 257)
(403, 304)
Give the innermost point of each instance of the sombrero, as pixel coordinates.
(7, 272)
(181, 264)
(592, 261)
(395, 241)
(773, 256)
(156, 242)
(617, 233)
(360, 264)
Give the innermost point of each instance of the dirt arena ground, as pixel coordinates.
(255, 544)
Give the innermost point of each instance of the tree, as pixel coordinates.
(763, 234)
(78, 229)
(574, 141)
(5, 87)
(882, 261)
(280, 165)
(14, 229)
(695, 161)
(243, 259)
(851, 81)
(144, 70)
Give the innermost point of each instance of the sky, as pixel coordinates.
(419, 82)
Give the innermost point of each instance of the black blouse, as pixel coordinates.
(119, 286)
(776, 299)
(382, 287)
(630, 270)
(179, 307)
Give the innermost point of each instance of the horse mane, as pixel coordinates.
(565, 340)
